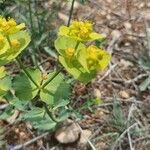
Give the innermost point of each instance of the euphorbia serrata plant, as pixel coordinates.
(81, 61)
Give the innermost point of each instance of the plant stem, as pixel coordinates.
(22, 66)
(69, 20)
(34, 57)
(30, 14)
(71, 12)
(37, 16)
(50, 114)
(8, 40)
(46, 83)
(77, 45)
(26, 72)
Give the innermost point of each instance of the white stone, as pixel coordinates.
(67, 134)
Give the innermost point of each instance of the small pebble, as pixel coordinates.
(124, 94)
(67, 134)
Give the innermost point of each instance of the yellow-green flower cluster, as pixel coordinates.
(10, 26)
(97, 58)
(13, 39)
(79, 60)
(79, 30)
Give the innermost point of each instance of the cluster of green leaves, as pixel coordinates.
(56, 90)
(37, 116)
(119, 121)
(55, 95)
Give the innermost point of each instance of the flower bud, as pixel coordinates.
(70, 52)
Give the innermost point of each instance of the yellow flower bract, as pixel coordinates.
(10, 26)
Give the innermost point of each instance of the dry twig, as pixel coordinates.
(17, 147)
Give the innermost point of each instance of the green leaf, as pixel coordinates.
(56, 90)
(144, 61)
(99, 42)
(87, 105)
(18, 104)
(2, 72)
(82, 58)
(5, 85)
(95, 36)
(145, 84)
(24, 87)
(62, 43)
(64, 114)
(50, 52)
(63, 31)
(35, 114)
(44, 124)
(42, 38)
(118, 119)
(78, 71)
(8, 112)
(71, 69)
(39, 119)
(61, 103)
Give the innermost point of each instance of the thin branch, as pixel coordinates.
(30, 142)
(90, 143)
(132, 108)
(50, 114)
(107, 73)
(137, 78)
(46, 83)
(142, 138)
(129, 100)
(26, 72)
(147, 31)
(71, 12)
